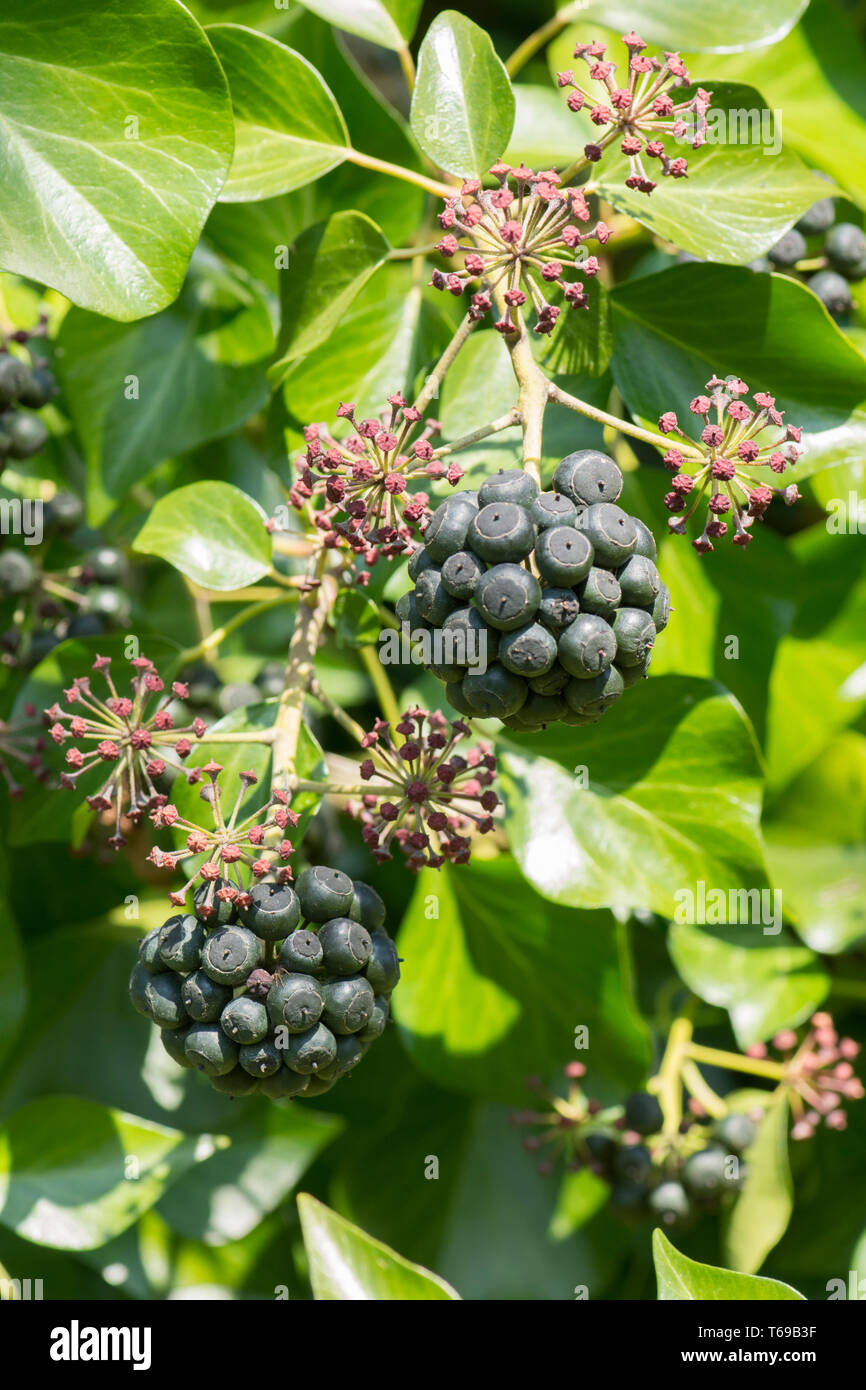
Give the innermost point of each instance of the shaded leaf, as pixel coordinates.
(763, 1209)
(347, 1264)
(390, 23)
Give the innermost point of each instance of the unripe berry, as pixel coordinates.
(324, 893)
(244, 1020)
(230, 954)
(448, 526)
(158, 997)
(495, 694)
(378, 1021)
(301, 953)
(295, 1002)
(501, 532)
(558, 608)
(564, 556)
(261, 1058)
(639, 582)
(511, 485)
(174, 1042)
(346, 945)
(383, 967)
(349, 1004)
(600, 593)
(610, 531)
(348, 1053)
(311, 1051)
(528, 651)
(208, 1048)
(643, 1113)
(587, 647)
(635, 634)
(203, 998)
(181, 939)
(236, 1083)
(148, 952)
(507, 596)
(367, 907)
(589, 476)
(284, 1084)
(274, 911)
(460, 574)
(553, 509)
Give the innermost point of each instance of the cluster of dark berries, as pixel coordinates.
(279, 993)
(822, 253)
(533, 606)
(26, 385)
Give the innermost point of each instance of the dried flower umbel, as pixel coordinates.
(22, 744)
(641, 113)
(425, 797)
(735, 436)
(527, 235)
(818, 1074)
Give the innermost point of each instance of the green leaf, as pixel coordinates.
(347, 1264)
(765, 982)
(671, 777)
(680, 24)
(73, 1174)
(763, 1209)
(212, 532)
(681, 1279)
(289, 129)
(140, 393)
(544, 129)
(496, 982)
(329, 266)
(581, 1196)
(668, 345)
(582, 341)
(356, 619)
(13, 978)
(114, 148)
(463, 105)
(390, 23)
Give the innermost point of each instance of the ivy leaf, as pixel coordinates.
(212, 532)
(679, 24)
(681, 1279)
(115, 139)
(582, 340)
(329, 265)
(356, 619)
(64, 1178)
(496, 981)
(462, 105)
(347, 1264)
(763, 1209)
(671, 778)
(390, 23)
(289, 129)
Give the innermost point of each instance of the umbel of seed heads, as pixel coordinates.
(735, 436)
(362, 481)
(21, 747)
(133, 735)
(232, 845)
(527, 239)
(425, 797)
(818, 1072)
(641, 113)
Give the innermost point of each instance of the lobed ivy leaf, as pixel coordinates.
(462, 106)
(681, 1279)
(760, 1216)
(115, 139)
(212, 532)
(348, 1265)
(390, 23)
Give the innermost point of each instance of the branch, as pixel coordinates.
(434, 379)
(398, 171)
(313, 611)
(533, 385)
(505, 422)
(556, 393)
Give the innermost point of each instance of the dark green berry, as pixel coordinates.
(261, 1058)
(564, 556)
(833, 291)
(501, 531)
(589, 476)
(204, 1000)
(628, 1201)
(174, 1042)
(553, 683)
(661, 609)
(17, 574)
(295, 1002)
(737, 1132)
(301, 953)
(158, 997)
(432, 598)
(458, 701)
(447, 671)
(148, 952)
(318, 1085)
(639, 582)
(788, 250)
(705, 1174)
(633, 1163)
(324, 893)
(39, 388)
(109, 603)
(86, 625)
(211, 908)
(819, 218)
(460, 574)
(367, 907)
(632, 674)
(274, 911)
(448, 527)
(541, 710)
(311, 1051)
(845, 245)
(349, 1051)
(349, 1004)
(406, 611)
(602, 1149)
(468, 639)
(558, 608)
(610, 531)
(236, 1083)
(587, 647)
(635, 634)
(346, 945)
(600, 593)
(495, 694)
(181, 939)
(419, 562)
(383, 967)
(107, 565)
(507, 596)
(27, 435)
(208, 1048)
(64, 512)
(528, 651)
(284, 1084)
(13, 378)
(670, 1203)
(378, 1021)
(553, 509)
(508, 485)
(244, 1020)
(229, 954)
(643, 1113)
(646, 541)
(595, 695)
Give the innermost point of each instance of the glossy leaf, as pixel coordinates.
(115, 137)
(348, 1265)
(463, 105)
(390, 23)
(582, 341)
(212, 532)
(681, 1279)
(289, 129)
(679, 24)
(763, 1209)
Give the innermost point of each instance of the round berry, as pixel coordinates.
(635, 634)
(528, 651)
(318, 1085)
(788, 250)
(737, 1132)
(628, 1202)
(229, 954)
(460, 574)
(643, 1113)
(448, 527)
(595, 695)
(508, 485)
(367, 907)
(833, 291)
(563, 555)
(383, 967)
(670, 1203)
(501, 531)
(311, 1051)
(64, 512)
(588, 476)
(602, 1148)
(819, 218)
(419, 562)
(86, 625)
(639, 582)
(845, 245)
(600, 593)
(181, 939)
(558, 608)
(106, 565)
(301, 953)
(468, 639)
(610, 531)
(235, 1083)
(324, 893)
(447, 671)
(632, 674)
(553, 683)
(458, 701)
(261, 1058)
(633, 1163)
(17, 574)
(244, 1020)
(284, 1084)
(348, 1004)
(174, 1042)
(493, 694)
(406, 611)
(661, 609)
(541, 710)
(553, 509)
(274, 911)
(39, 388)
(346, 945)
(108, 603)
(432, 598)
(208, 1048)
(13, 378)
(508, 596)
(27, 435)
(705, 1174)
(587, 647)
(204, 1000)
(349, 1051)
(158, 997)
(148, 952)
(295, 1002)
(646, 541)
(378, 1021)
(212, 909)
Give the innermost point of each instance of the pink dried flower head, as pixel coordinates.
(525, 237)
(423, 796)
(818, 1070)
(563, 1127)
(735, 436)
(22, 743)
(640, 112)
(132, 736)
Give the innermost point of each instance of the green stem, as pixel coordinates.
(533, 389)
(307, 633)
(398, 171)
(668, 1084)
(381, 684)
(434, 379)
(702, 1090)
(505, 422)
(407, 63)
(408, 253)
(219, 634)
(734, 1061)
(536, 41)
(337, 713)
(592, 412)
